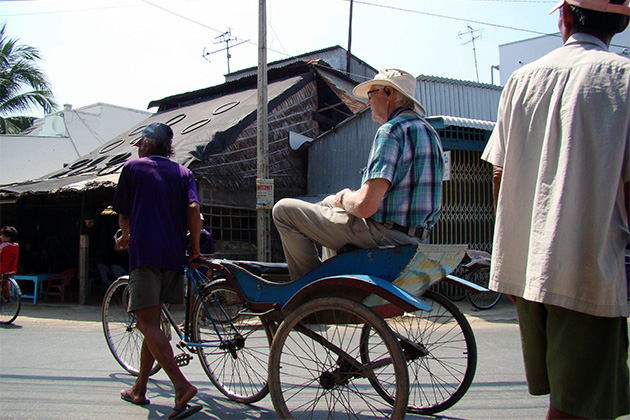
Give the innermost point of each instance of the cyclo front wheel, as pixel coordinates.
(123, 337)
(315, 365)
(233, 347)
(10, 300)
(445, 358)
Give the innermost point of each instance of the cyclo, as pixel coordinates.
(361, 335)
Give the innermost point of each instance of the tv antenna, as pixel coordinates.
(474, 34)
(227, 38)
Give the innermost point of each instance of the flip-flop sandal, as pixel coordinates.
(129, 399)
(186, 412)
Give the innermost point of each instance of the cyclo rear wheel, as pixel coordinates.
(315, 363)
(442, 373)
(237, 363)
(123, 338)
(10, 300)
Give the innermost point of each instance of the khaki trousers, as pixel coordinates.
(303, 226)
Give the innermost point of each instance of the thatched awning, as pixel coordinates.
(200, 131)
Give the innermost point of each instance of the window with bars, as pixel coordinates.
(231, 224)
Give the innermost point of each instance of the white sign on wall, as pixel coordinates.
(447, 165)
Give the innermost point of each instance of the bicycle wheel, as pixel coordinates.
(446, 355)
(236, 363)
(482, 300)
(315, 365)
(10, 300)
(123, 338)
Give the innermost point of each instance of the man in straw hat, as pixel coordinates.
(561, 156)
(400, 197)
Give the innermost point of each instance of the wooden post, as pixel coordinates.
(264, 218)
(84, 245)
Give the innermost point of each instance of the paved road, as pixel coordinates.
(54, 364)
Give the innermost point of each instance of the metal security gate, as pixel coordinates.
(467, 208)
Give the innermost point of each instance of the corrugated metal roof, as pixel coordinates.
(442, 121)
(458, 98)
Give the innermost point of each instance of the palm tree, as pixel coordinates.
(22, 85)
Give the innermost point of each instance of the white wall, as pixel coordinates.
(514, 55)
(25, 157)
(61, 138)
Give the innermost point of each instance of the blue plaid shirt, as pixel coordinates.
(408, 153)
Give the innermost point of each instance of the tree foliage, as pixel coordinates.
(22, 85)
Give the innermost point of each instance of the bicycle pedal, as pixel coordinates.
(183, 359)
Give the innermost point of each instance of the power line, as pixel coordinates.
(478, 22)
(468, 21)
(204, 25)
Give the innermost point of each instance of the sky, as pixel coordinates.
(130, 52)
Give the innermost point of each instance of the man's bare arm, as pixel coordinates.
(194, 226)
(497, 174)
(123, 241)
(364, 202)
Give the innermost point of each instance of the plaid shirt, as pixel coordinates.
(408, 153)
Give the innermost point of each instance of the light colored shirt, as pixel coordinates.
(408, 153)
(563, 139)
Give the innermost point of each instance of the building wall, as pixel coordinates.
(61, 138)
(514, 55)
(230, 214)
(345, 150)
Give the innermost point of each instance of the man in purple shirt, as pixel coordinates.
(156, 201)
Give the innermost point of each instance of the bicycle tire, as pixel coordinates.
(482, 300)
(306, 376)
(123, 338)
(10, 300)
(238, 366)
(442, 376)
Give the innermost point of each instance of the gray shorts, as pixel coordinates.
(148, 286)
(580, 359)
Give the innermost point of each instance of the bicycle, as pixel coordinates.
(215, 329)
(335, 341)
(10, 300)
(476, 268)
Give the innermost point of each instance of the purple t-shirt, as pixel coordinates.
(155, 192)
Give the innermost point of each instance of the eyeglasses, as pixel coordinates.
(372, 91)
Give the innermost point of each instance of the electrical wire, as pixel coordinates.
(204, 25)
(478, 22)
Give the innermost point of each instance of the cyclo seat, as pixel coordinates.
(275, 272)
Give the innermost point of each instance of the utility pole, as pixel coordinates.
(264, 186)
(474, 34)
(349, 53)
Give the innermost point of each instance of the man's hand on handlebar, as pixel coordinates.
(195, 260)
(121, 241)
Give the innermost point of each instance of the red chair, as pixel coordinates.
(62, 280)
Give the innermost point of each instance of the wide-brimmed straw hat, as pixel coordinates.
(400, 80)
(598, 5)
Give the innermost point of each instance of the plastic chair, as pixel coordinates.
(118, 271)
(107, 277)
(63, 282)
